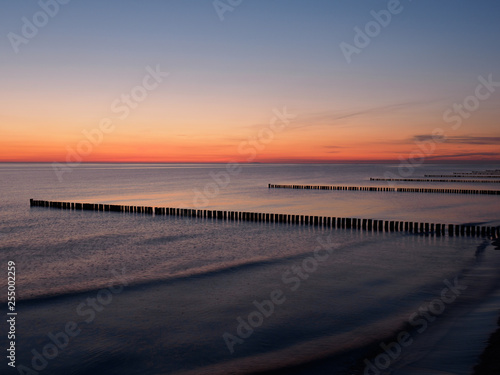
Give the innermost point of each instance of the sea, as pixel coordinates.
(132, 293)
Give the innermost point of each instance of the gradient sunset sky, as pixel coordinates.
(228, 78)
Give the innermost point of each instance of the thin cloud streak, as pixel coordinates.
(463, 140)
(466, 154)
(329, 119)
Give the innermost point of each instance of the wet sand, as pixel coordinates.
(489, 362)
(454, 345)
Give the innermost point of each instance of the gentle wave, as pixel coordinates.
(200, 272)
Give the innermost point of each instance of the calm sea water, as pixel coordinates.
(164, 295)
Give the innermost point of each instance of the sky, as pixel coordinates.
(276, 81)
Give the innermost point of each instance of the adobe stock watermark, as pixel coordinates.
(32, 25)
(364, 36)
(454, 115)
(249, 148)
(58, 341)
(420, 320)
(223, 6)
(461, 111)
(121, 106)
(293, 278)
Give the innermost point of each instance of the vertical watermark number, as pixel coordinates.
(11, 313)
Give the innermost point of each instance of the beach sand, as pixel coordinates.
(489, 362)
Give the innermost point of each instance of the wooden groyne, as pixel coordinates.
(386, 188)
(302, 220)
(433, 180)
(460, 176)
(490, 172)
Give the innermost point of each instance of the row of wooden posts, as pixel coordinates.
(461, 175)
(305, 220)
(485, 172)
(386, 188)
(432, 180)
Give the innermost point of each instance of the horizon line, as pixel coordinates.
(307, 161)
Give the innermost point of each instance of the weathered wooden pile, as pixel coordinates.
(304, 220)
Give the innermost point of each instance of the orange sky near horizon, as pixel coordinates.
(304, 139)
(170, 126)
